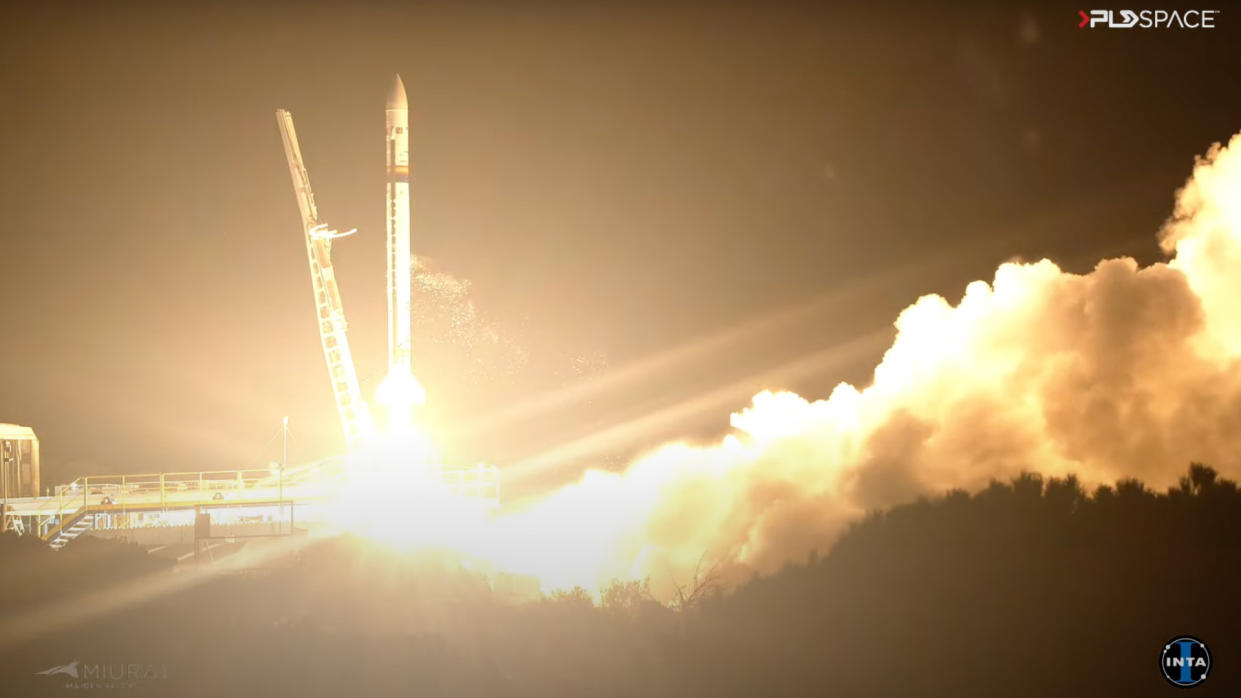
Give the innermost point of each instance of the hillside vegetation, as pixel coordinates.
(1027, 588)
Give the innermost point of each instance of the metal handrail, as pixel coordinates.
(75, 498)
(481, 481)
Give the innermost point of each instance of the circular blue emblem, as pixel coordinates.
(1185, 661)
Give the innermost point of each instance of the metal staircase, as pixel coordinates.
(78, 524)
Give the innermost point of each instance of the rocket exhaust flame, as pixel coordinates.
(399, 392)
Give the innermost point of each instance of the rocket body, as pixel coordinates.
(399, 312)
(399, 391)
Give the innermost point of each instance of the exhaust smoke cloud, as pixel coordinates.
(1121, 372)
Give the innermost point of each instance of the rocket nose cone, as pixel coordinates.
(396, 95)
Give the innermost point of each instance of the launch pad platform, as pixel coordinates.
(257, 499)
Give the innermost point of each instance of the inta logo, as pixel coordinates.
(1185, 661)
(1148, 19)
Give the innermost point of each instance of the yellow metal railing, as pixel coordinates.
(118, 493)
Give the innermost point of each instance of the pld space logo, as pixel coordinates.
(1148, 19)
(1185, 661)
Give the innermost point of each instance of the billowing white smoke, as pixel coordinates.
(1121, 372)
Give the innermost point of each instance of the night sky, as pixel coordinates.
(659, 209)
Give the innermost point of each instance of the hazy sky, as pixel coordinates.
(614, 182)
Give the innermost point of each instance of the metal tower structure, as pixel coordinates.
(355, 417)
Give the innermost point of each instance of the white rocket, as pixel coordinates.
(397, 113)
(400, 390)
